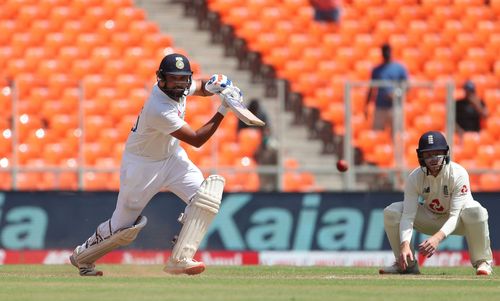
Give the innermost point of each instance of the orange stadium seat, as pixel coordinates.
(493, 126)
(86, 42)
(28, 13)
(489, 182)
(469, 68)
(249, 140)
(492, 98)
(67, 181)
(368, 139)
(485, 156)
(5, 181)
(384, 155)
(495, 6)
(470, 141)
(30, 181)
(486, 28)
(95, 181)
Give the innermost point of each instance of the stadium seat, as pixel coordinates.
(60, 124)
(489, 182)
(249, 140)
(384, 155)
(95, 181)
(486, 156)
(493, 126)
(5, 181)
(30, 181)
(67, 181)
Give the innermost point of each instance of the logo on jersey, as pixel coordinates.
(427, 190)
(179, 63)
(436, 206)
(464, 189)
(445, 190)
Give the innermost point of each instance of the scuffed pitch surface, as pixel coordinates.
(148, 282)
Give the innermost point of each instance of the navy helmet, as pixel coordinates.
(175, 64)
(432, 141)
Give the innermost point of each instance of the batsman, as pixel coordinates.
(438, 202)
(153, 161)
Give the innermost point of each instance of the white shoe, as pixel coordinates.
(484, 268)
(185, 266)
(395, 269)
(84, 269)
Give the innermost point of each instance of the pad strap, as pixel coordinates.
(99, 245)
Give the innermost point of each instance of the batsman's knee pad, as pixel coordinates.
(474, 215)
(198, 216)
(104, 241)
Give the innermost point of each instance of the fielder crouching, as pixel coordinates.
(438, 202)
(153, 161)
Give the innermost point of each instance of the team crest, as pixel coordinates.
(445, 190)
(179, 63)
(430, 139)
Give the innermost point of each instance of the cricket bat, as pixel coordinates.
(240, 109)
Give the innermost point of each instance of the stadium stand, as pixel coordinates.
(53, 48)
(97, 57)
(436, 40)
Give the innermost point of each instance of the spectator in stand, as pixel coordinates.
(396, 76)
(470, 110)
(326, 10)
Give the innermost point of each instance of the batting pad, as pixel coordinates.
(477, 234)
(198, 217)
(120, 238)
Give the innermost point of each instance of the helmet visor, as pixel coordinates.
(434, 162)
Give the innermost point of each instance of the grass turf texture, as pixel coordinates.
(148, 282)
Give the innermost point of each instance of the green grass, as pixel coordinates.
(148, 282)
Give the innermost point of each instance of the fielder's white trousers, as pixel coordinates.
(472, 223)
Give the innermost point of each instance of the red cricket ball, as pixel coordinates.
(342, 165)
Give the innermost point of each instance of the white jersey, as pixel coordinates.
(443, 196)
(150, 137)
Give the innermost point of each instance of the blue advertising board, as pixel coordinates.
(255, 221)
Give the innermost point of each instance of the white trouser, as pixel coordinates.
(140, 180)
(472, 223)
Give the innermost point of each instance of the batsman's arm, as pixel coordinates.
(200, 88)
(198, 137)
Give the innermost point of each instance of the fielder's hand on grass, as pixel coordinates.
(405, 255)
(217, 83)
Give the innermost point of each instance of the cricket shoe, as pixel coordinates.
(185, 266)
(85, 269)
(395, 269)
(484, 268)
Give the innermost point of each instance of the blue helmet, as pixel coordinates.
(175, 64)
(432, 141)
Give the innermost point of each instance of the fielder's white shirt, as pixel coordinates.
(443, 196)
(150, 137)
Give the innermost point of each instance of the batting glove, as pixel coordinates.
(230, 94)
(217, 83)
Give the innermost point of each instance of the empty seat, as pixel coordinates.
(489, 182)
(95, 181)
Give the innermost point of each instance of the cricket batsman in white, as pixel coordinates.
(153, 161)
(438, 202)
